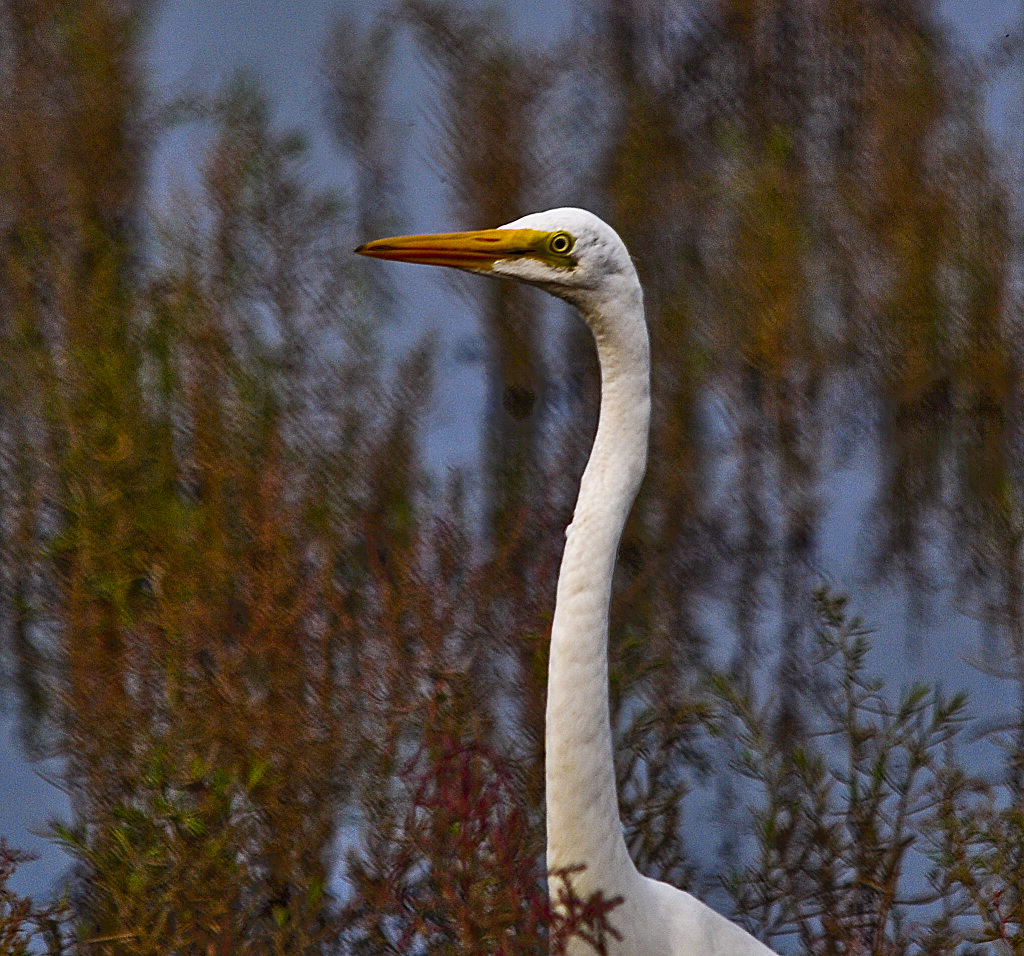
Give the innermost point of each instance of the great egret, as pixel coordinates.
(574, 255)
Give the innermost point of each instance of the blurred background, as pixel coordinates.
(279, 528)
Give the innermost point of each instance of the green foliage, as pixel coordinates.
(846, 814)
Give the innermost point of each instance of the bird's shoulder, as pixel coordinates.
(694, 927)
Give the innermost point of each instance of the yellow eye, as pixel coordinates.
(560, 243)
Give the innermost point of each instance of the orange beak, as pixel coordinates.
(477, 251)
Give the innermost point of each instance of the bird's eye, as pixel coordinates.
(560, 243)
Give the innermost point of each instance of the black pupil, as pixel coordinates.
(559, 244)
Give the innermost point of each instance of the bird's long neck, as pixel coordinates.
(583, 822)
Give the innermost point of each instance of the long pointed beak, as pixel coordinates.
(477, 251)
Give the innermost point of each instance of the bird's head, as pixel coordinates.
(568, 252)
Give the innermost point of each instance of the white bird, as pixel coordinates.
(574, 255)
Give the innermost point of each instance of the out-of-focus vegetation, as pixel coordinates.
(297, 684)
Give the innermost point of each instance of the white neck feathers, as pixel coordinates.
(582, 806)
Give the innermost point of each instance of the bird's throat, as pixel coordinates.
(582, 806)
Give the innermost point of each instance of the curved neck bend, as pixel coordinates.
(583, 821)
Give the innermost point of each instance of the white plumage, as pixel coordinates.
(574, 255)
